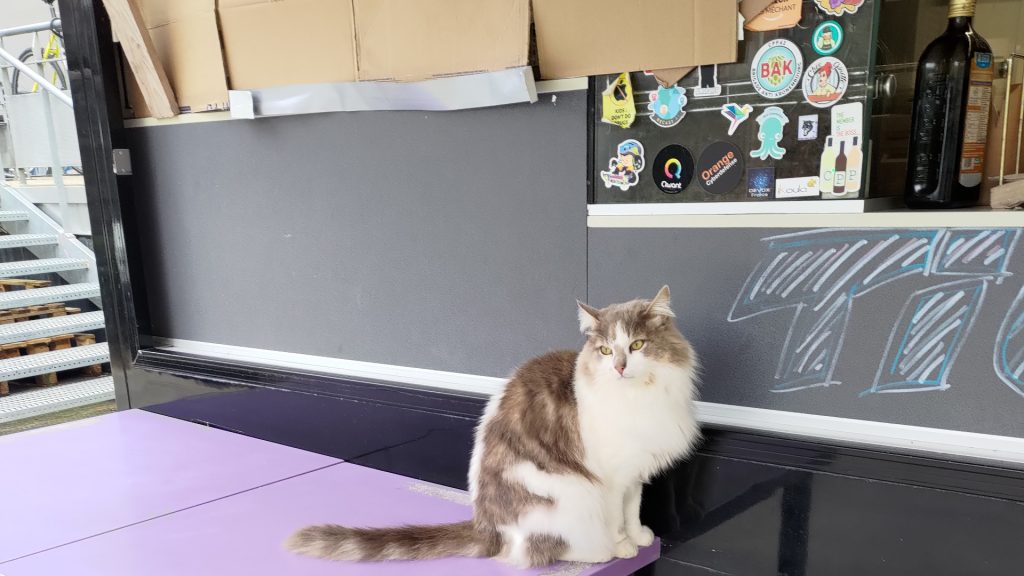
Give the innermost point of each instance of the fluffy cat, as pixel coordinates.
(562, 453)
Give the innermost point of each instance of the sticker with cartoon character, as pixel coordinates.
(736, 114)
(839, 7)
(624, 169)
(827, 38)
(772, 122)
(666, 106)
(825, 82)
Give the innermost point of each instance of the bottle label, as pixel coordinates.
(840, 179)
(979, 97)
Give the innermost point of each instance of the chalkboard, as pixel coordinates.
(909, 326)
(679, 150)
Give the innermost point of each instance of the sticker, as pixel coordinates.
(842, 160)
(776, 69)
(827, 38)
(848, 120)
(624, 169)
(841, 165)
(708, 84)
(807, 128)
(802, 187)
(666, 106)
(617, 102)
(673, 169)
(779, 15)
(736, 114)
(761, 182)
(772, 121)
(839, 7)
(825, 82)
(720, 167)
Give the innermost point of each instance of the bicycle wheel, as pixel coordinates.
(52, 71)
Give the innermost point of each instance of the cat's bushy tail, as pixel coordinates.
(335, 542)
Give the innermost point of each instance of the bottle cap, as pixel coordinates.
(961, 8)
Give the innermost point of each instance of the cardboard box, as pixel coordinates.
(419, 39)
(590, 37)
(277, 42)
(184, 33)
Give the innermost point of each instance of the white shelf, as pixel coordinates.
(975, 217)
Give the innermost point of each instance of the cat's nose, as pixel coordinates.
(620, 369)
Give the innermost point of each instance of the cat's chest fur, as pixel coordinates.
(630, 433)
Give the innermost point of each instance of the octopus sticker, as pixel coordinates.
(624, 169)
(776, 69)
(825, 82)
(839, 7)
(772, 121)
(667, 106)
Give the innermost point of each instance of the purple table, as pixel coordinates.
(136, 493)
(243, 534)
(73, 481)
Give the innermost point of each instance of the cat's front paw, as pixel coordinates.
(625, 548)
(641, 536)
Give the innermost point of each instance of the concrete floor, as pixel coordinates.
(57, 417)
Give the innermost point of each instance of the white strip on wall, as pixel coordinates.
(1002, 449)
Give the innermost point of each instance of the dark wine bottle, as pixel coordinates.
(839, 180)
(946, 163)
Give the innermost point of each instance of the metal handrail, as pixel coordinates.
(36, 77)
(28, 28)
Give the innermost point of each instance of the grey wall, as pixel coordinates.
(457, 242)
(453, 241)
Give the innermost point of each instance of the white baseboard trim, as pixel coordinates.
(472, 383)
(899, 437)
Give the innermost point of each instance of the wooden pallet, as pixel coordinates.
(13, 284)
(38, 345)
(36, 312)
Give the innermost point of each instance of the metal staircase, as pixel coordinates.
(49, 357)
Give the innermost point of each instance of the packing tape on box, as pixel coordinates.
(510, 86)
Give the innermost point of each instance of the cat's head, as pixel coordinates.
(629, 341)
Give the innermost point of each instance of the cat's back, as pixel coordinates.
(546, 377)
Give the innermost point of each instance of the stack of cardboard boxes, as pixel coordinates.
(207, 46)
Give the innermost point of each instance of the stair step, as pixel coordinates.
(22, 240)
(13, 216)
(35, 296)
(72, 394)
(42, 266)
(55, 326)
(55, 361)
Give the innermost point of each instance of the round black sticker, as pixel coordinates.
(720, 168)
(673, 169)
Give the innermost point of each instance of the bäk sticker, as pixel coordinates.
(825, 82)
(624, 169)
(776, 69)
(666, 106)
(801, 187)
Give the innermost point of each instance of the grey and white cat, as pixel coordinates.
(562, 453)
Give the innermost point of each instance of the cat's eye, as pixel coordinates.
(606, 350)
(636, 345)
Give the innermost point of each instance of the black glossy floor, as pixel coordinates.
(742, 506)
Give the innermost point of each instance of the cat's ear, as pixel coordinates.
(661, 304)
(588, 317)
